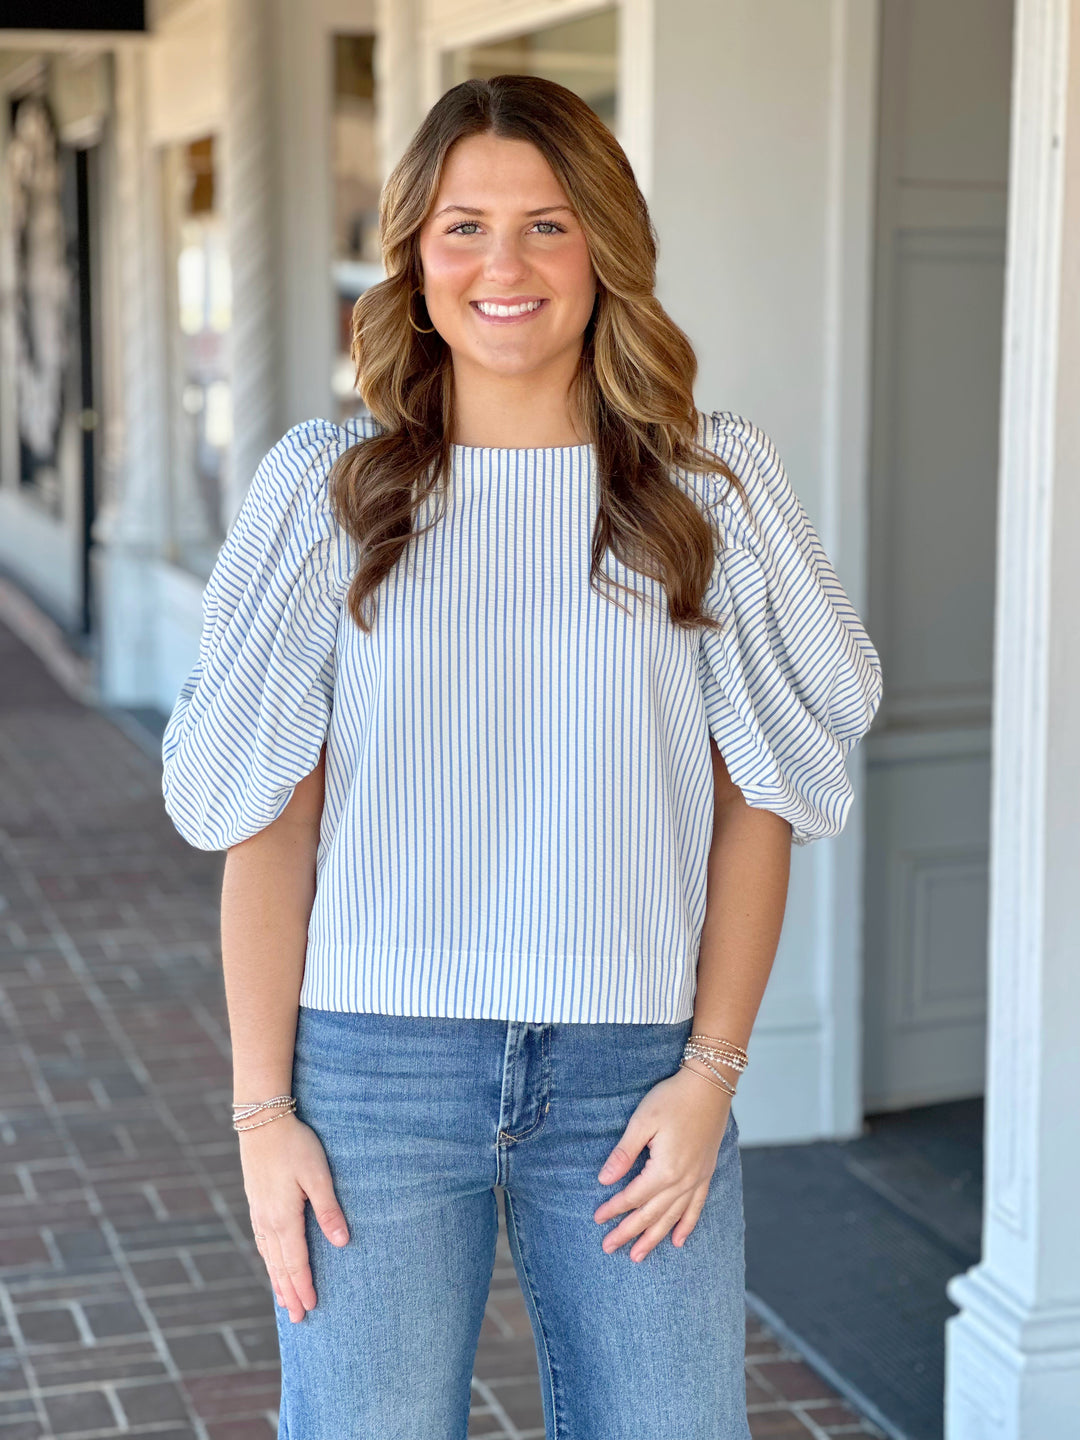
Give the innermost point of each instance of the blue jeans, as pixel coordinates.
(421, 1118)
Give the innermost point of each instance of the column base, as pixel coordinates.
(1012, 1372)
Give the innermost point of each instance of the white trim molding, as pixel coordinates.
(1013, 1352)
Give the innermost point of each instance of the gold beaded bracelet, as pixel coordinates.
(710, 1048)
(723, 1086)
(720, 1057)
(721, 1082)
(728, 1046)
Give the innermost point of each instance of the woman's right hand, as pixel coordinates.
(285, 1165)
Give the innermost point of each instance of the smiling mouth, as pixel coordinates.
(504, 312)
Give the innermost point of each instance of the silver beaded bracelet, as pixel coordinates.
(283, 1104)
(732, 1055)
(722, 1085)
(723, 1052)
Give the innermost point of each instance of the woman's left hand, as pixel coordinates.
(683, 1124)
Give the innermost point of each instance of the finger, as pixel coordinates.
(638, 1221)
(319, 1189)
(630, 1146)
(653, 1235)
(294, 1257)
(262, 1246)
(690, 1216)
(282, 1281)
(290, 1301)
(287, 1297)
(284, 1294)
(644, 1187)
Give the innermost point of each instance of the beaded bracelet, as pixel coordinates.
(720, 1082)
(245, 1112)
(710, 1052)
(738, 1055)
(723, 1052)
(729, 1088)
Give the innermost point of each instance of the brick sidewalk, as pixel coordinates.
(132, 1301)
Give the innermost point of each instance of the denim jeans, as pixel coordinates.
(421, 1118)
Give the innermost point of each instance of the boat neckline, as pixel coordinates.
(518, 449)
(587, 447)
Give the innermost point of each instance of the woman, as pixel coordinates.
(509, 705)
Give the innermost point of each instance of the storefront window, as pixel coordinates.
(581, 54)
(357, 181)
(199, 296)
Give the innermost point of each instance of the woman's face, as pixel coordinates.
(501, 237)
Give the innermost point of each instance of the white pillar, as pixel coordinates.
(133, 515)
(132, 526)
(248, 150)
(1013, 1352)
(398, 104)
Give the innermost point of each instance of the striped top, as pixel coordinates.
(519, 792)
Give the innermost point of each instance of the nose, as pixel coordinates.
(505, 263)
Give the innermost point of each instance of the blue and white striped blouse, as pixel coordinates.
(519, 792)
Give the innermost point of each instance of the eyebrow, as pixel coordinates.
(472, 210)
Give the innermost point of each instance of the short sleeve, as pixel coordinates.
(251, 717)
(792, 681)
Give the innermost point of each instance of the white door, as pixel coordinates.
(940, 249)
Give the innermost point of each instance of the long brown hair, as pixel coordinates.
(632, 390)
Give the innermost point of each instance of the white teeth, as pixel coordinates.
(489, 309)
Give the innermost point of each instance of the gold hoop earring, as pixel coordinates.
(418, 328)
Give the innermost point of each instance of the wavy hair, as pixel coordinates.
(632, 390)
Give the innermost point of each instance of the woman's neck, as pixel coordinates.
(514, 412)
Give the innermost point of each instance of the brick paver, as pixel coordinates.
(132, 1301)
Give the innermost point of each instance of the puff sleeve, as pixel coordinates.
(793, 680)
(251, 717)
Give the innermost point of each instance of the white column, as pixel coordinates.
(1013, 1352)
(131, 528)
(398, 104)
(248, 148)
(133, 515)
